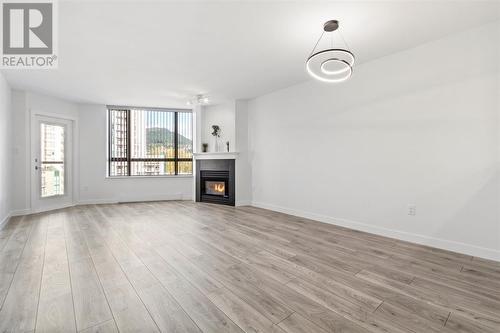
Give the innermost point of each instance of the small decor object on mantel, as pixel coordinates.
(227, 146)
(204, 147)
(216, 134)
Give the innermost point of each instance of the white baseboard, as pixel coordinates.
(439, 243)
(243, 203)
(5, 220)
(20, 212)
(48, 209)
(161, 197)
(95, 202)
(178, 196)
(187, 197)
(28, 211)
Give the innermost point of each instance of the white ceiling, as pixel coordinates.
(161, 53)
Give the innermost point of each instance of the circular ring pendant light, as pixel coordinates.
(332, 64)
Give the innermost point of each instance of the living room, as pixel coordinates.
(256, 166)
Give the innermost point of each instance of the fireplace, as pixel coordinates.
(215, 181)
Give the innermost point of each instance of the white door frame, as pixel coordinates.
(73, 171)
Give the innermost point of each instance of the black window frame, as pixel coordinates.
(128, 159)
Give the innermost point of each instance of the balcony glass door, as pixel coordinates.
(51, 146)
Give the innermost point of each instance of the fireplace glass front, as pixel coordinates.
(215, 187)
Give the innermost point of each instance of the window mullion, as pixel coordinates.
(129, 164)
(176, 144)
(110, 143)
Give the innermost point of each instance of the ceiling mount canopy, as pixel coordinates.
(199, 99)
(330, 64)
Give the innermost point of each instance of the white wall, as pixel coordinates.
(96, 188)
(24, 105)
(418, 127)
(222, 115)
(20, 196)
(5, 151)
(243, 166)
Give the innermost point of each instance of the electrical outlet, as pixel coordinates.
(412, 209)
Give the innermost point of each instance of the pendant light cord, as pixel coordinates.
(314, 48)
(341, 36)
(346, 45)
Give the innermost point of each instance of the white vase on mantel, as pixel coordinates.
(216, 145)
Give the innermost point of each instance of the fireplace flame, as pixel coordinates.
(215, 188)
(219, 188)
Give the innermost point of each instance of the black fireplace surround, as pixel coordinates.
(215, 181)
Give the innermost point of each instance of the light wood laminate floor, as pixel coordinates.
(185, 267)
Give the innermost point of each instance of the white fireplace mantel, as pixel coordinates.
(232, 155)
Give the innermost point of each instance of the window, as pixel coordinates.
(155, 142)
(52, 160)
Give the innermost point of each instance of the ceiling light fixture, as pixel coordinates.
(199, 100)
(331, 64)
